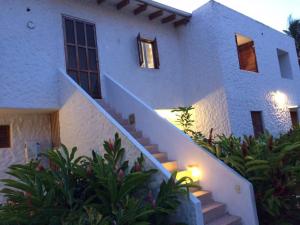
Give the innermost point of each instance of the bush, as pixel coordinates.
(271, 164)
(89, 191)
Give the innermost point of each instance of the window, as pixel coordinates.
(294, 117)
(246, 53)
(284, 64)
(257, 122)
(82, 55)
(4, 136)
(148, 53)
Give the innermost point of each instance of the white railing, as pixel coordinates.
(226, 185)
(72, 96)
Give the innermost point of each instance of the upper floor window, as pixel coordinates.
(284, 64)
(246, 53)
(4, 136)
(148, 53)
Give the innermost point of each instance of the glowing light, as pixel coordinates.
(168, 115)
(195, 172)
(192, 172)
(280, 99)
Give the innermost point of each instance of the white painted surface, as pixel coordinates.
(199, 64)
(248, 91)
(85, 124)
(30, 57)
(217, 177)
(26, 128)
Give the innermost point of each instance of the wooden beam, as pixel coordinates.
(100, 1)
(168, 18)
(122, 4)
(156, 14)
(183, 21)
(140, 9)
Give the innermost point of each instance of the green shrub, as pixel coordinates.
(271, 164)
(97, 190)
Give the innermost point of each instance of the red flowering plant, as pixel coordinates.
(96, 190)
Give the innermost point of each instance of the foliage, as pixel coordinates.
(294, 31)
(97, 190)
(184, 118)
(271, 164)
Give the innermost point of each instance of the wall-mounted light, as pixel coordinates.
(195, 172)
(192, 171)
(280, 99)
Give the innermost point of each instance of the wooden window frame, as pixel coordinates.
(6, 143)
(252, 45)
(154, 51)
(78, 70)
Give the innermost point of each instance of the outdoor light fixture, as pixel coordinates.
(192, 171)
(280, 99)
(195, 172)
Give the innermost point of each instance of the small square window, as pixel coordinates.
(148, 53)
(5, 136)
(246, 53)
(257, 122)
(284, 64)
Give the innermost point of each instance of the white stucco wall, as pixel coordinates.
(248, 91)
(26, 128)
(202, 80)
(30, 57)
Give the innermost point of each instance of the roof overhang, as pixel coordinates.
(153, 10)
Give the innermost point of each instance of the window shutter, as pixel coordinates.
(140, 50)
(156, 55)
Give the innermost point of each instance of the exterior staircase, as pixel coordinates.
(214, 213)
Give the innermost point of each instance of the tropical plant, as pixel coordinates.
(184, 118)
(294, 31)
(96, 190)
(271, 164)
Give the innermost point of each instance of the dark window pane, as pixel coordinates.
(90, 34)
(82, 58)
(4, 136)
(94, 85)
(70, 35)
(80, 33)
(73, 75)
(92, 59)
(84, 81)
(72, 62)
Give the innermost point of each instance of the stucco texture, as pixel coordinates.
(26, 128)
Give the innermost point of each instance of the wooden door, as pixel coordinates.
(294, 118)
(82, 54)
(257, 122)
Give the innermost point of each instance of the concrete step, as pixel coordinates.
(171, 166)
(161, 156)
(204, 196)
(137, 134)
(152, 148)
(226, 220)
(212, 211)
(143, 141)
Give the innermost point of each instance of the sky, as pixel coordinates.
(273, 13)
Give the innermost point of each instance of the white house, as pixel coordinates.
(59, 57)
